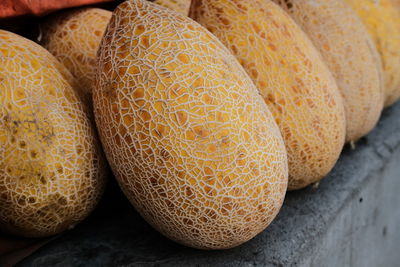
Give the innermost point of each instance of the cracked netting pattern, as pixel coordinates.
(350, 54)
(383, 23)
(181, 6)
(51, 170)
(188, 136)
(297, 86)
(73, 37)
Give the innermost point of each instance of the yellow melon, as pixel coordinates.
(186, 133)
(344, 43)
(73, 37)
(290, 75)
(383, 23)
(52, 172)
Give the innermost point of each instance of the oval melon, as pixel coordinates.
(344, 43)
(73, 37)
(186, 133)
(383, 23)
(290, 75)
(52, 172)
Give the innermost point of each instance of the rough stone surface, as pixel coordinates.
(351, 219)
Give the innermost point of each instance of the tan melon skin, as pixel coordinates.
(382, 20)
(345, 45)
(181, 6)
(73, 37)
(186, 133)
(52, 172)
(290, 75)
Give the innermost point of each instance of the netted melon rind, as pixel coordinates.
(382, 20)
(52, 172)
(292, 78)
(345, 45)
(73, 37)
(181, 6)
(186, 133)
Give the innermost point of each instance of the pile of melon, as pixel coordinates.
(207, 111)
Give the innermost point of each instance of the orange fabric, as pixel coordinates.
(14, 8)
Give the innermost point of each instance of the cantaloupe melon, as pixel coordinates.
(186, 133)
(181, 6)
(383, 22)
(73, 37)
(52, 172)
(345, 45)
(290, 75)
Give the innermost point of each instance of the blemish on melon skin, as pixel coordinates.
(45, 122)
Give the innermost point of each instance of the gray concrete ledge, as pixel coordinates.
(352, 219)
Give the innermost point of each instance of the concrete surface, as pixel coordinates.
(352, 219)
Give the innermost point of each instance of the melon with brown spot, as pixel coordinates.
(188, 137)
(181, 6)
(382, 19)
(73, 37)
(345, 45)
(291, 76)
(52, 172)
